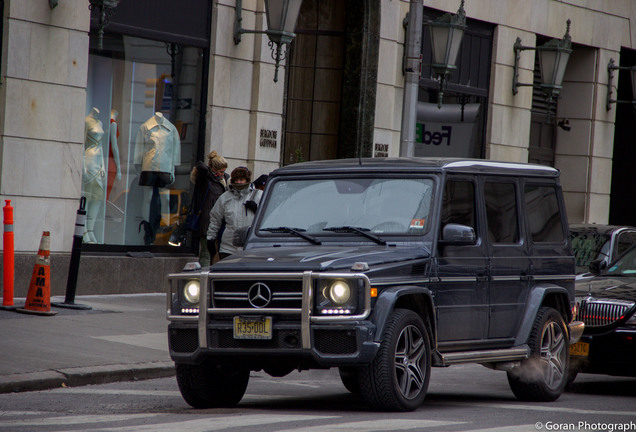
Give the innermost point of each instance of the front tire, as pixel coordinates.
(211, 384)
(397, 379)
(542, 377)
(349, 376)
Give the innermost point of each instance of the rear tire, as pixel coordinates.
(398, 377)
(211, 384)
(569, 386)
(542, 377)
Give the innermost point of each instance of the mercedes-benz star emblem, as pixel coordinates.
(259, 295)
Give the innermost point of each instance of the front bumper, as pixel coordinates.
(576, 329)
(611, 354)
(332, 345)
(297, 334)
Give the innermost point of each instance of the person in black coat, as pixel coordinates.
(210, 183)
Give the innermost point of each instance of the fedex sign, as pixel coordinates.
(452, 131)
(442, 137)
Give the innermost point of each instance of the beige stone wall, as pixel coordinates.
(507, 138)
(242, 97)
(584, 154)
(42, 103)
(598, 31)
(390, 88)
(43, 94)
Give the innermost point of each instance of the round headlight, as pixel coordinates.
(191, 291)
(339, 292)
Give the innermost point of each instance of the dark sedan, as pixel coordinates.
(602, 243)
(607, 305)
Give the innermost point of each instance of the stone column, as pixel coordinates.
(584, 153)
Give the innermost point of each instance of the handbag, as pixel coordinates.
(193, 217)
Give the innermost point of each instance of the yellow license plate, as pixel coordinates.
(580, 349)
(252, 327)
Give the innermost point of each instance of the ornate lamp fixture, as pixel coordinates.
(281, 22)
(611, 67)
(553, 59)
(446, 37)
(106, 10)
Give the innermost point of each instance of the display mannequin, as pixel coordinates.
(114, 167)
(94, 174)
(157, 152)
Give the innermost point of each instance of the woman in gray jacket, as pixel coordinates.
(236, 208)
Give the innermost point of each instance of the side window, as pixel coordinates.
(458, 204)
(544, 217)
(501, 212)
(625, 241)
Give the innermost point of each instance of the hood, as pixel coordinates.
(325, 258)
(607, 287)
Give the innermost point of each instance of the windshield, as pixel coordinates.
(374, 205)
(589, 246)
(625, 265)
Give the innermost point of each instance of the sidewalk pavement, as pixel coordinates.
(121, 338)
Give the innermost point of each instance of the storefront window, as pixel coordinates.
(141, 138)
(457, 128)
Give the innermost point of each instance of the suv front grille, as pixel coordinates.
(600, 313)
(285, 294)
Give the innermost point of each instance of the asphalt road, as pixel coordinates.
(460, 398)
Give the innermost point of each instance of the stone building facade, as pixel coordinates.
(340, 93)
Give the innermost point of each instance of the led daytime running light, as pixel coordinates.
(335, 312)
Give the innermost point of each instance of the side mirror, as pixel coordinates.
(240, 236)
(597, 266)
(456, 234)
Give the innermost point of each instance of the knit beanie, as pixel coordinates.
(216, 161)
(240, 173)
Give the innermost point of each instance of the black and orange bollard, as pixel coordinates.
(8, 258)
(38, 299)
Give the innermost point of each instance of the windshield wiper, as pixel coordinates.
(296, 231)
(358, 230)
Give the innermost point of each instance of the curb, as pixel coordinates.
(80, 376)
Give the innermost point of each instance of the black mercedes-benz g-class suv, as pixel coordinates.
(385, 268)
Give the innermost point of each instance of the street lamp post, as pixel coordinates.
(281, 22)
(446, 37)
(611, 67)
(553, 59)
(106, 10)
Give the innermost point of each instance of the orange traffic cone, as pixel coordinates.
(38, 299)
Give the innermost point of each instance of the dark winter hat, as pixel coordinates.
(240, 173)
(260, 181)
